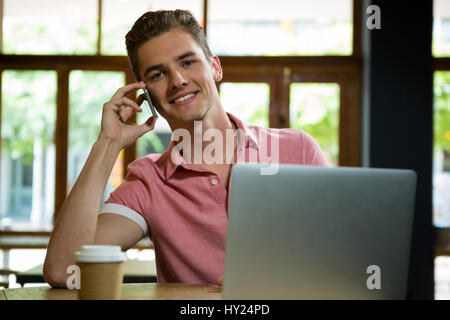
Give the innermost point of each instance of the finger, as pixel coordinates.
(148, 125)
(109, 107)
(124, 91)
(125, 113)
(124, 101)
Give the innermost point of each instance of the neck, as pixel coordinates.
(213, 136)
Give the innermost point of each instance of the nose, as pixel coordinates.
(177, 80)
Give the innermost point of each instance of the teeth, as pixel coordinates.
(184, 97)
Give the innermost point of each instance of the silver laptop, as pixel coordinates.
(311, 232)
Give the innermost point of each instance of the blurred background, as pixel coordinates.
(286, 63)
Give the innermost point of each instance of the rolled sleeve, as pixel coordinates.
(130, 200)
(125, 212)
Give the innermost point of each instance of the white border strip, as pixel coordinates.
(125, 212)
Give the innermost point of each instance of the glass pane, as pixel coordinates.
(284, 27)
(157, 140)
(442, 278)
(28, 152)
(85, 114)
(118, 16)
(441, 148)
(441, 28)
(314, 108)
(195, 6)
(23, 260)
(248, 101)
(50, 26)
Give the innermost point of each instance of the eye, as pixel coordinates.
(187, 63)
(156, 76)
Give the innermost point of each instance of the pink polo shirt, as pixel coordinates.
(183, 207)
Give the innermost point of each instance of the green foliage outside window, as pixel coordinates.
(324, 125)
(28, 111)
(58, 36)
(89, 90)
(442, 110)
(149, 140)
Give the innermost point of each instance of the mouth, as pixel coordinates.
(185, 99)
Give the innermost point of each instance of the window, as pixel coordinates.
(441, 147)
(28, 152)
(441, 179)
(275, 28)
(248, 101)
(441, 165)
(441, 28)
(314, 108)
(31, 27)
(63, 59)
(118, 17)
(85, 114)
(267, 90)
(442, 278)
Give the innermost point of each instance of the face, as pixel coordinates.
(179, 77)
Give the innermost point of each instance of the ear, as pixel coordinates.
(216, 67)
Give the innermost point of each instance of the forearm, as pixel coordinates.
(77, 220)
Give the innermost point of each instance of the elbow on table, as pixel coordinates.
(54, 277)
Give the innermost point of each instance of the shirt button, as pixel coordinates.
(213, 182)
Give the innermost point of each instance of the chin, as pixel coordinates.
(190, 115)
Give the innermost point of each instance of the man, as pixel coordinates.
(180, 203)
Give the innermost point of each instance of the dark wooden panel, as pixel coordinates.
(441, 64)
(399, 99)
(61, 138)
(130, 152)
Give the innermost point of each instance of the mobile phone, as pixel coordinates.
(150, 103)
(151, 106)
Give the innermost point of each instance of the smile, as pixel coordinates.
(184, 99)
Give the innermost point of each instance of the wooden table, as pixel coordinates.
(9, 241)
(135, 291)
(134, 271)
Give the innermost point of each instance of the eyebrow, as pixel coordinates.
(159, 66)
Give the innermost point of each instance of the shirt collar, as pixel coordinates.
(249, 141)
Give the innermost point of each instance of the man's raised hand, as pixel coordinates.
(118, 110)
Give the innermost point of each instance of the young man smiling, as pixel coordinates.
(181, 205)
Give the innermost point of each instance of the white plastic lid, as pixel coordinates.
(100, 253)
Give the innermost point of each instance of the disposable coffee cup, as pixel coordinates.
(101, 270)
